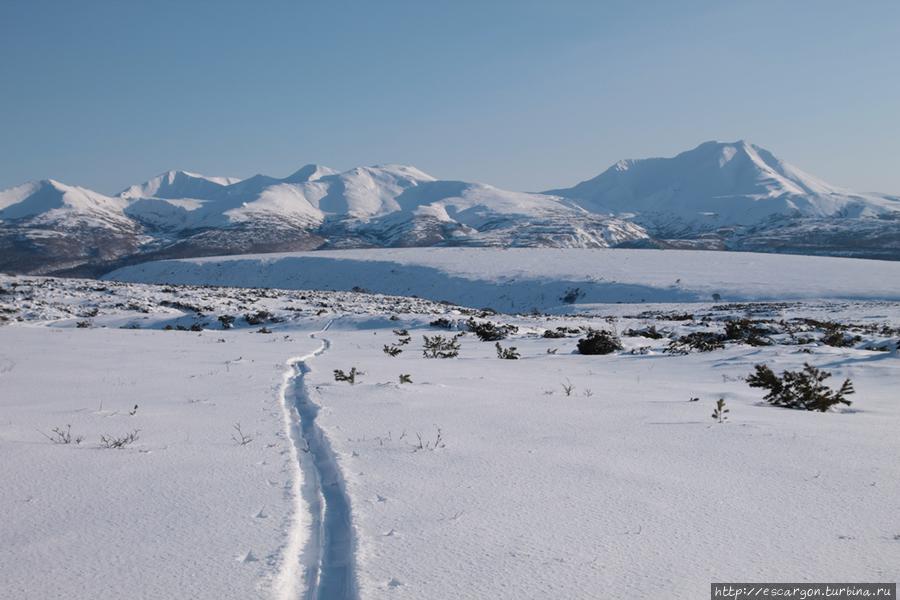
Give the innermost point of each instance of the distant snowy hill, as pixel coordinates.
(734, 196)
(47, 226)
(719, 185)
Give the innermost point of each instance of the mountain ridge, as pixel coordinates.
(718, 195)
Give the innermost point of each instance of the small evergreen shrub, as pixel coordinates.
(599, 342)
(747, 331)
(802, 390)
(835, 336)
(442, 323)
(506, 353)
(720, 413)
(700, 341)
(392, 350)
(648, 332)
(561, 332)
(403, 337)
(350, 377)
(490, 332)
(439, 346)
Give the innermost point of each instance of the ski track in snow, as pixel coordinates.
(327, 561)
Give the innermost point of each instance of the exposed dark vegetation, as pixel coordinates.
(350, 377)
(488, 331)
(561, 332)
(697, 341)
(392, 350)
(720, 412)
(509, 353)
(439, 346)
(650, 332)
(748, 331)
(599, 341)
(118, 442)
(58, 435)
(443, 323)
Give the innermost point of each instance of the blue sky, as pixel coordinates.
(523, 95)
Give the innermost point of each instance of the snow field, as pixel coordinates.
(184, 511)
(623, 489)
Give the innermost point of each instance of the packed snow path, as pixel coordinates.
(328, 556)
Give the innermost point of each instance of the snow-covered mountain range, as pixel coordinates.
(718, 195)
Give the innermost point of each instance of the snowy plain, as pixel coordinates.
(621, 486)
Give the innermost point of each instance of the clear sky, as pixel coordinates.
(524, 95)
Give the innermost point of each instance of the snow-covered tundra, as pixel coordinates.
(293, 444)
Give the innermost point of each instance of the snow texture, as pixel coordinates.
(556, 475)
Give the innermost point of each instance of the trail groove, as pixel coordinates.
(327, 558)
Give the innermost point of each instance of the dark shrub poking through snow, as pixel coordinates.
(835, 336)
(802, 390)
(747, 331)
(442, 323)
(648, 332)
(438, 346)
(701, 341)
(490, 332)
(599, 342)
(510, 353)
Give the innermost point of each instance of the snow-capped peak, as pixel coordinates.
(178, 184)
(38, 198)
